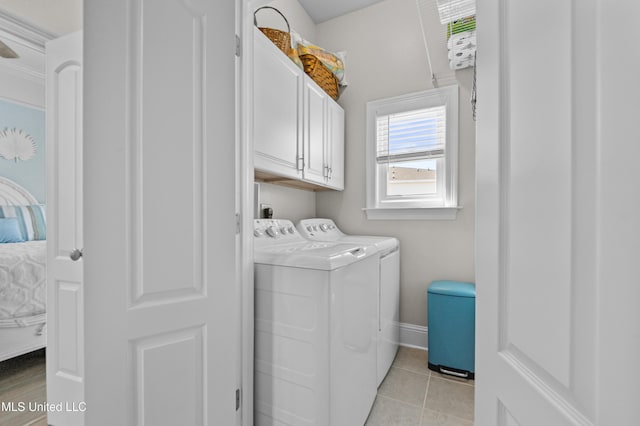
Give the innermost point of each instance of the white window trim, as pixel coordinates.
(429, 98)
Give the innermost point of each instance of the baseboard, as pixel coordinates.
(414, 336)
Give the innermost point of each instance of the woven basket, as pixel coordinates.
(282, 39)
(321, 75)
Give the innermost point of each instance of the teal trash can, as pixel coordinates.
(451, 319)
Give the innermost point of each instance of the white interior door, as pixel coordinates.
(65, 290)
(162, 315)
(558, 233)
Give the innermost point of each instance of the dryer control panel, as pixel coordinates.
(319, 229)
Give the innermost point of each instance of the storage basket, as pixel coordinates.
(280, 38)
(321, 75)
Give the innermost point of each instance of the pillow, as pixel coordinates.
(10, 231)
(32, 220)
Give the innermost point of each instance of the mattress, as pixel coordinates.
(22, 283)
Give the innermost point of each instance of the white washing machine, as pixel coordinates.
(315, 329)
(388, 286)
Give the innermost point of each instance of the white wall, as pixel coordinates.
(288, 203)
(386, 57)
(298, 18)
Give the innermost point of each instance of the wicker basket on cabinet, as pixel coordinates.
(282, 39)
(321, 75)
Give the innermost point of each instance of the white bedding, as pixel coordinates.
(22, 283)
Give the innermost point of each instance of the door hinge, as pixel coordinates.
(237, 223)
(237, 399)
(238, 45)
(300, 164)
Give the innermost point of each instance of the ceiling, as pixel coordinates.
(58, 17)
(62, 17)
(323, 10)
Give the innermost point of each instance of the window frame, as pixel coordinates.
(393, 207)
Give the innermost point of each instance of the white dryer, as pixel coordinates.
(388, 285)
(315, 329)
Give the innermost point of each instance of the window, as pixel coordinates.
(412, 153)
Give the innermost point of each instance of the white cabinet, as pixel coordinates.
(323, 138)
(335, 146)
(315, 135)
(298, 129)
(277, 101)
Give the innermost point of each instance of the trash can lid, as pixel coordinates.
(453, 288)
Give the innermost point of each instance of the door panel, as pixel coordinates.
(538, 171)
(162, 331)
(65, 289)
(184, 386)
(168, 126)
(541, 245)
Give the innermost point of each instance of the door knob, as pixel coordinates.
(76, 254)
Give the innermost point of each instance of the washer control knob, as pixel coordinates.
(283, 230)
(324, 227)
(272, 231)
(309, 228)
(291, 230)
(332, 227)
(315, 227)
(258, 233)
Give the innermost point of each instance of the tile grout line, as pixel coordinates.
(428, 373)
(398, 400)
(444, 377)
(424, 403)
(447, 413)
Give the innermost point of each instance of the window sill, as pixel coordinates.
(425, 213)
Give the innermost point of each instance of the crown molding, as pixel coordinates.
(24, 32)
(28, 36)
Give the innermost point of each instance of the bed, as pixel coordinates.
(23, 281)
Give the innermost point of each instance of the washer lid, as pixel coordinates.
(313, 255)
(383, 244)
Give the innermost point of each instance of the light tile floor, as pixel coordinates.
(413, 395)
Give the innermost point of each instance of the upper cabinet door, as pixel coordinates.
(316, 168)
(277, 98)
(335, 145)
